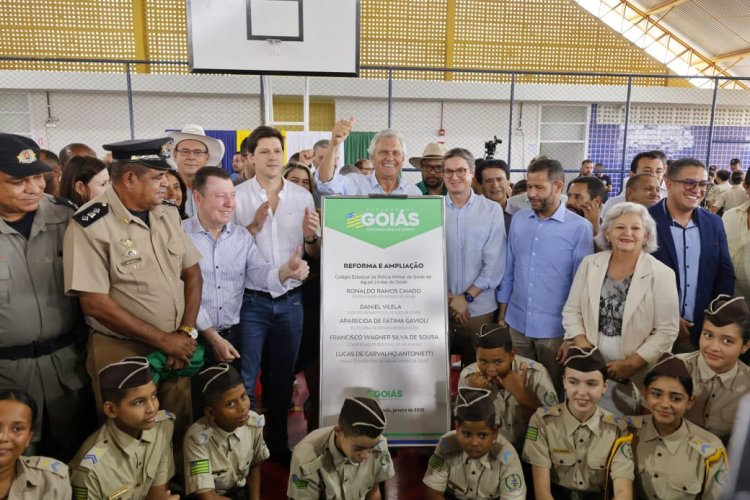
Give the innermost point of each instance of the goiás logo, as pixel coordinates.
(383, 219)
(386, 394)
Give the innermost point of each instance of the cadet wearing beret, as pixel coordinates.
(346, 461)
(130, 456)
(675, 458)
(36, 318)
(224, 447)
(136, 272)
(474, 461)
(519, 385)
(719, 377)
(578, 450)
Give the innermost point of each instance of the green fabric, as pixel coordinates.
(355, 146)
(159, 372)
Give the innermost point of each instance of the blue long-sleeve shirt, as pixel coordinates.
(542, 259)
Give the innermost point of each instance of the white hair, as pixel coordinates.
(649, 246)
(385, 134)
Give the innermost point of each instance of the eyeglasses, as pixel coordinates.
(195, 152)
(460, 172)
(436, 169)
(690, 184)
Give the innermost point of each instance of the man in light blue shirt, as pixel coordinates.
(387, 153)
(546, 244)
(475, 251)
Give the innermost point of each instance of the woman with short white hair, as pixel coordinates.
(624, 301)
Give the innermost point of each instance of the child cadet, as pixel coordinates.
(719, 377)
(130, 456)
(346, 461)
(26, 478)
(223, 449)
(576, 448)
(675, 458)
(473, 461)
(519, 385)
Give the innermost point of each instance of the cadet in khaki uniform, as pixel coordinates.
(130, 456)
(223, 449)
(578, 450)
(37, 320)
(474, 461)
(26, 478)
(719, 377)
(346, 461)
(519, 385)
(675, 458)
(136, 272)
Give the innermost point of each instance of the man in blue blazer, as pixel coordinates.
(693, 243)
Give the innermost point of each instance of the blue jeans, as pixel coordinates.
(277, 322)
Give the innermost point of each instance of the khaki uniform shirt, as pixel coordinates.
(674, 467)
(112, 464)
(576, 452)
(218, 460)
(738, 241)
(509, 414)
(40, 477)
(320, 470)
(716, 396)
(498, 474)
(116, 253)
(33, 308)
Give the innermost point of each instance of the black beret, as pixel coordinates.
(125, 374)
(363, 412)
(152, 153)
(725, 310)
(217, 378)
(19, 156)
(474, 405)
(491, 336)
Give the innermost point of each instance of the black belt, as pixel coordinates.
(224, 331)
(269, 296)
(37, 349)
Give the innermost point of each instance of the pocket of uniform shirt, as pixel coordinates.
(176, 247)
(563, 458)
(4, 283)
(684, 484)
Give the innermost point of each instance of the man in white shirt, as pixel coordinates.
(387, 153)
(735, 196)
(281, 216)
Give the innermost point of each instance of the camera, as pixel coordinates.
(490, 147)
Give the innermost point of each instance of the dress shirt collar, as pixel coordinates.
(706, 373)
(374, 182)
(571, 424)
(484, 460)
(559, 214)
(121, 211)
(127, 443)
(193, 226)
(472, 198)
(223, 436)
(33, 477)
(672, 442)
(255, 185)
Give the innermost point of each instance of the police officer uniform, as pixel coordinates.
(320, 470)
(497, 474)
(109, 250)
(40, 477)
(509, 414)
(36, 318)
(582, 456)
(690, 463)
(217, 460)
(112, 464)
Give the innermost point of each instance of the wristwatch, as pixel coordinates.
(190, 331)
(312, 239)
(469, 297)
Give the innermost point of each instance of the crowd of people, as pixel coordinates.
(145, 295)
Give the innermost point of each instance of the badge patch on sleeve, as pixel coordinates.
(532, 433)
(299, 483)
(80, 493)
(627, 451)
(200, 467)
(436, 462)
(513, 482)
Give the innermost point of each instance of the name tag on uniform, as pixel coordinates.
(119, 492)
(560, 450)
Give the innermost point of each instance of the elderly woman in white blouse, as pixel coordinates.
(624, 301)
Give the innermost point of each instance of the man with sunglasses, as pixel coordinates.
(430, 164)
(692, 241)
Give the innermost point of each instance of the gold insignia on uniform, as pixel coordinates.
(166, 150)
(560, 450)
(26, 156)
(129, 246)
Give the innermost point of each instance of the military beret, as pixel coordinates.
(217, 378)
(152, 153)
(363, 412)
(671, 365)
(474, 405)
(492, 336)
(125, 374)
(19, 156)
(725, 310)
(585, 360)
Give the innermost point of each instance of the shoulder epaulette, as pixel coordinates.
(162, 415)
(91, 214)
(550, 411)
(503, 451)
(470, 369)
(203, 436)
(702, 446)
(449, 444)
(255, 420)
(381, 445)
(48, 465)
(58, 200)
(312, 467)
(92, 457)
(634, 422)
